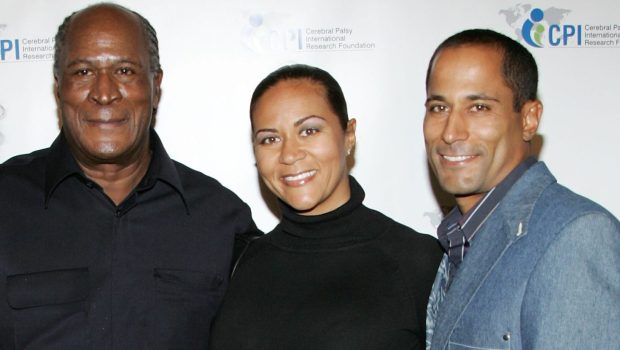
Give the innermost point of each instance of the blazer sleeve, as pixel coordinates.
(572, 300)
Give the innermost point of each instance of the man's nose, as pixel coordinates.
(455, 128)
(105, 89)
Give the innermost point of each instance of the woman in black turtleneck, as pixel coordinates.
(333, 274)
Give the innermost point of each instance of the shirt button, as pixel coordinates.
(89, 184)
(506, 337)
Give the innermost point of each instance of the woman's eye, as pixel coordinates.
(267, 140)
(309, 131)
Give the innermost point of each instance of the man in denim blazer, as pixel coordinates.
(529, 264)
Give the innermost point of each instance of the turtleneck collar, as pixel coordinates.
(337, 229)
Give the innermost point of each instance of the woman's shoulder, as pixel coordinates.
(406, 243)
(397, 231)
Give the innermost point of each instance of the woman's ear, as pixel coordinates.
(349, 136)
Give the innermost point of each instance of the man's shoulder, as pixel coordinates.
(194, 180)
(25, 164)
(539, 205)
(560, 204)
(539, 196)
(189, 174)
(25, 159)
(559, 212)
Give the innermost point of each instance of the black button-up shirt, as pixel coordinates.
(79, 272)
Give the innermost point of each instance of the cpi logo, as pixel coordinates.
(533, 32)
(9, 48)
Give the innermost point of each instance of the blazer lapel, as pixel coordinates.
(491, 243)
(507, 224)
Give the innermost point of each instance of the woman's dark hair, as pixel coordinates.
(333, 92)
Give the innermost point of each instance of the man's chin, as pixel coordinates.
(105, 153)
(107, 149)
(458, 187)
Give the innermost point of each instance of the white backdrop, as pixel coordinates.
(215, 52)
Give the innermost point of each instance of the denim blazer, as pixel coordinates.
(542, 273)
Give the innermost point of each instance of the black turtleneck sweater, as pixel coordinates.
(348, 279)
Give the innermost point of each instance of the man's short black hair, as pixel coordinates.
(518, 66)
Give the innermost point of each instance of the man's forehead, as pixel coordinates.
(104, 27)
(101, 20)
(473, 72)
(465, 51)
(95, 37)
(105, 10)
(455, 62)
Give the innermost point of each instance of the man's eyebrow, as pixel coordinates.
(472, 97)
(79, 61)
(435, 98)
(302, 120)
(119, 60)
(486, 97)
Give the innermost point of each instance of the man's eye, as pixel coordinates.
(82, 72)
(125, 71)
(437, 108)
(479, 107)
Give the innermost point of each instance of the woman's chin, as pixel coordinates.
(304, 206)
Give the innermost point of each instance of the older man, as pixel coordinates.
(105, 242)
(528, 264)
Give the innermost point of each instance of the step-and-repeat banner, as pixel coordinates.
(215, 52)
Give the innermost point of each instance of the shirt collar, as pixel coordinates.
(61, 165)
(476, 216)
